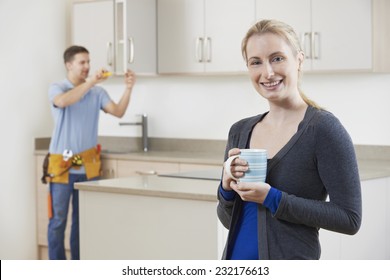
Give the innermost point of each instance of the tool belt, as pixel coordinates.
(56, 168)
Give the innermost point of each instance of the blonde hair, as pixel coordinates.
(288, 34)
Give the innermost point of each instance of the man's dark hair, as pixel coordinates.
(72, 51)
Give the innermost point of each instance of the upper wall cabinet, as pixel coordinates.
(119, 34)
(197, 36)
(335, 34)
(90, 19)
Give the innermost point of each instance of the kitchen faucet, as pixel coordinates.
(144, 125)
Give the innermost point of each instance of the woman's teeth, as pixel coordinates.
(271, 84)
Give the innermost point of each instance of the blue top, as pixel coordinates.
(245, 244)
(76, 126)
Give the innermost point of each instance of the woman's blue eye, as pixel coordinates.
(278, 59)
(255, 62)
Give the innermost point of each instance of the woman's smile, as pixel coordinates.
(272, 85)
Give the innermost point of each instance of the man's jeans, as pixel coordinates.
(61, 195)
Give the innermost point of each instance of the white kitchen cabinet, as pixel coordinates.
(108, 168)
(90, 19)
(202, 36)
(138, 40)
(335, 34)
(187, 167)
(119, 34)
(126, 168)
(148, 218)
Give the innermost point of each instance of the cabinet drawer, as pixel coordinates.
(109, 168)
(185, 167)
(132, 168)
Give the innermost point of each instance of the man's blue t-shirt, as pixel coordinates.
(76, 126)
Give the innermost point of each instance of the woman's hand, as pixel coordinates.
(248, 191)
(238, 168)
(251, 191)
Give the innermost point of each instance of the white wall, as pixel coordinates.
(33, 36)
(32, 41)
(205, 107)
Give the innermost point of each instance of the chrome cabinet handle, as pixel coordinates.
(315, 39)
(151, 172)
(199, 49)
(109, 53)
(312, 45)
(307, 34)
(130, 50)
(108, 173)
(208, 49)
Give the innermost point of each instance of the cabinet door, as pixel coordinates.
(185, 167)
(343, 34)
(135, 168)
(109, 168)
(140, 51)
(335, 34)
(227, 22)
(180, 35)
(93, 28)
(295, 13)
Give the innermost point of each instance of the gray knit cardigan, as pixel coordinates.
(318, 162)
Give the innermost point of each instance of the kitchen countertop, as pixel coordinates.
(153, 185)
(196, 189)
(368, 168)
(373, 169)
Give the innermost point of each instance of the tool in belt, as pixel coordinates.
(56, 166)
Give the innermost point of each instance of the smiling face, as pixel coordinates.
(273, 67)
(78, 67)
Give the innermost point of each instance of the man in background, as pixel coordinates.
(74, 155)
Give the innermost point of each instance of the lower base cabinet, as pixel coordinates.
(135, 227)
(370, 243)
(111, 168)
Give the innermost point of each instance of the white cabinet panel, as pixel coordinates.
(197, 36)
(140, 41)
(227, 22)
(180, 27)
(135, 168)
(88, 20)
(335, 34)
(120, 34)
(115, 226)
(344, 34)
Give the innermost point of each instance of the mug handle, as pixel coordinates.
(227, 166)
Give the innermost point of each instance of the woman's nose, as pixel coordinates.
(268, 70)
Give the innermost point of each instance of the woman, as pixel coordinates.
(310, 157)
